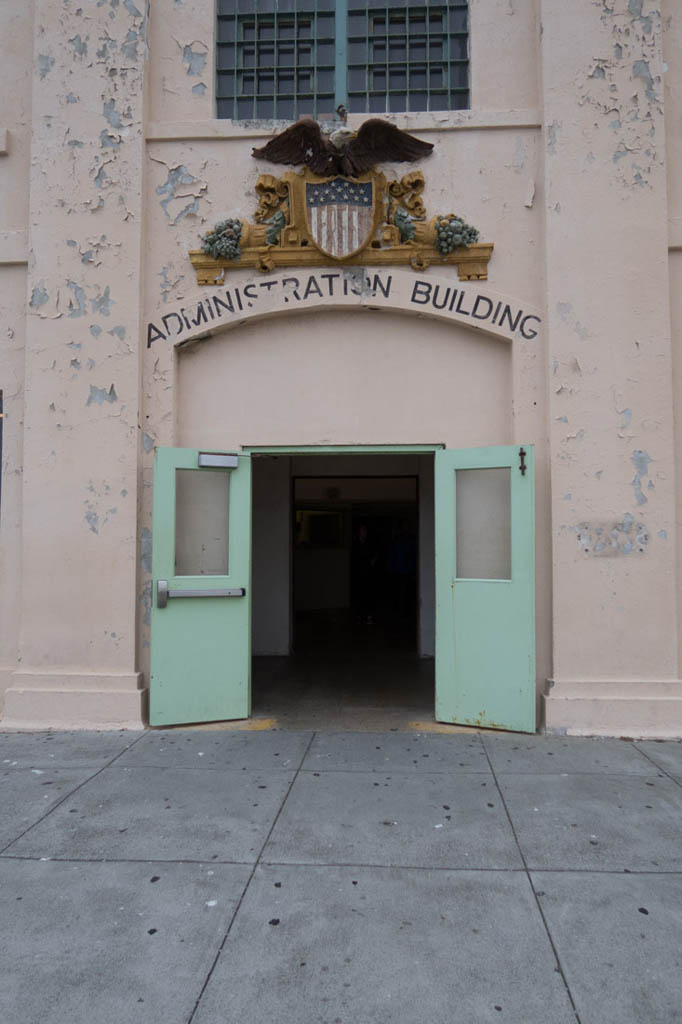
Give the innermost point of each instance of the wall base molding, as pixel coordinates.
(74, 700)
(646, 709)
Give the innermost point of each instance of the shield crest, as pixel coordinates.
(340, 215)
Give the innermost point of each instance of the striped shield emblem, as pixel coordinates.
(340, 215)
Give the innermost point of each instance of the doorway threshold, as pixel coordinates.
(351, 692)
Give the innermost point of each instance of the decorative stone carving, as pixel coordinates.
(308, 220)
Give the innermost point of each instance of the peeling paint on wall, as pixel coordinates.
(146, 604)
(45, 64)
(194, 59)
(640, 69)
(635, 58)
(641, 462)
(91, 517)
(39, 296)
(611, 540)
(102, 303)
(99, 395)
(80, 47)
(176, 187)
(166, 284)
(76, 308)
(567, 316)
(552, 135)
(146, 549)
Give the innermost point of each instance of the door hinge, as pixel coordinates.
(522, 464)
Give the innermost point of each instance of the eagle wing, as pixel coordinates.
(303, 143)
(379, 141)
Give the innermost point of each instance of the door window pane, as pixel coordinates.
(202, 502)
(483, 513)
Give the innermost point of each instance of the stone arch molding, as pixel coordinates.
(470, 303)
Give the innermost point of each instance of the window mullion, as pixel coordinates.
(341, 54)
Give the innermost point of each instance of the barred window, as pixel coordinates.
(284, 58)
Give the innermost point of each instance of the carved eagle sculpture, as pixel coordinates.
(343, 152)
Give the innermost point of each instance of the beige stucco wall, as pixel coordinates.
(569, 161)
(16, 26)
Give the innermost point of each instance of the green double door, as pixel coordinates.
(485, 586)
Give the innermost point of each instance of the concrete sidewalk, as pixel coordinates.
(339, 878)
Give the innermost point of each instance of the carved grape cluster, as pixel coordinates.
(223, 243)
(453, 233)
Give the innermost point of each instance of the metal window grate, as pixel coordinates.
(284, 58)
(408, 57)
(275, 59)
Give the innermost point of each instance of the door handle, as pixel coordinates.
(164, 593)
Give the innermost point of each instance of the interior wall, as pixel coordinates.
(272, 476)
(323, 575)
(271, 556)
(427, 561)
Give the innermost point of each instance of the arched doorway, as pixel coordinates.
(347, 386)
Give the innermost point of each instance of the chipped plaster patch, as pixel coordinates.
(80, 46)
(175, 188)
(146, 549)
(108, 140)
(91, 517)
(194, 59)
(130, 44)
(640, 69)
(625, 419)
(145, 600)
(519, 156)
(39, 296)
(45, 64)
(612, 539)
(632, 114)
(642, 461)
(567, 315)
(167, 285)
(98, 396)
(102, 303)
(552, 136)
(76, 308)
(111, 114)
(100, 178)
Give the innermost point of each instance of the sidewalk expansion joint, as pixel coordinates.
(249, 880)
(559, 965)
(70, 794)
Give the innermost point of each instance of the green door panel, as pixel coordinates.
(200, 646)
(485, 627)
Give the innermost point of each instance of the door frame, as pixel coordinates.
(339, 449)
(380, 449)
